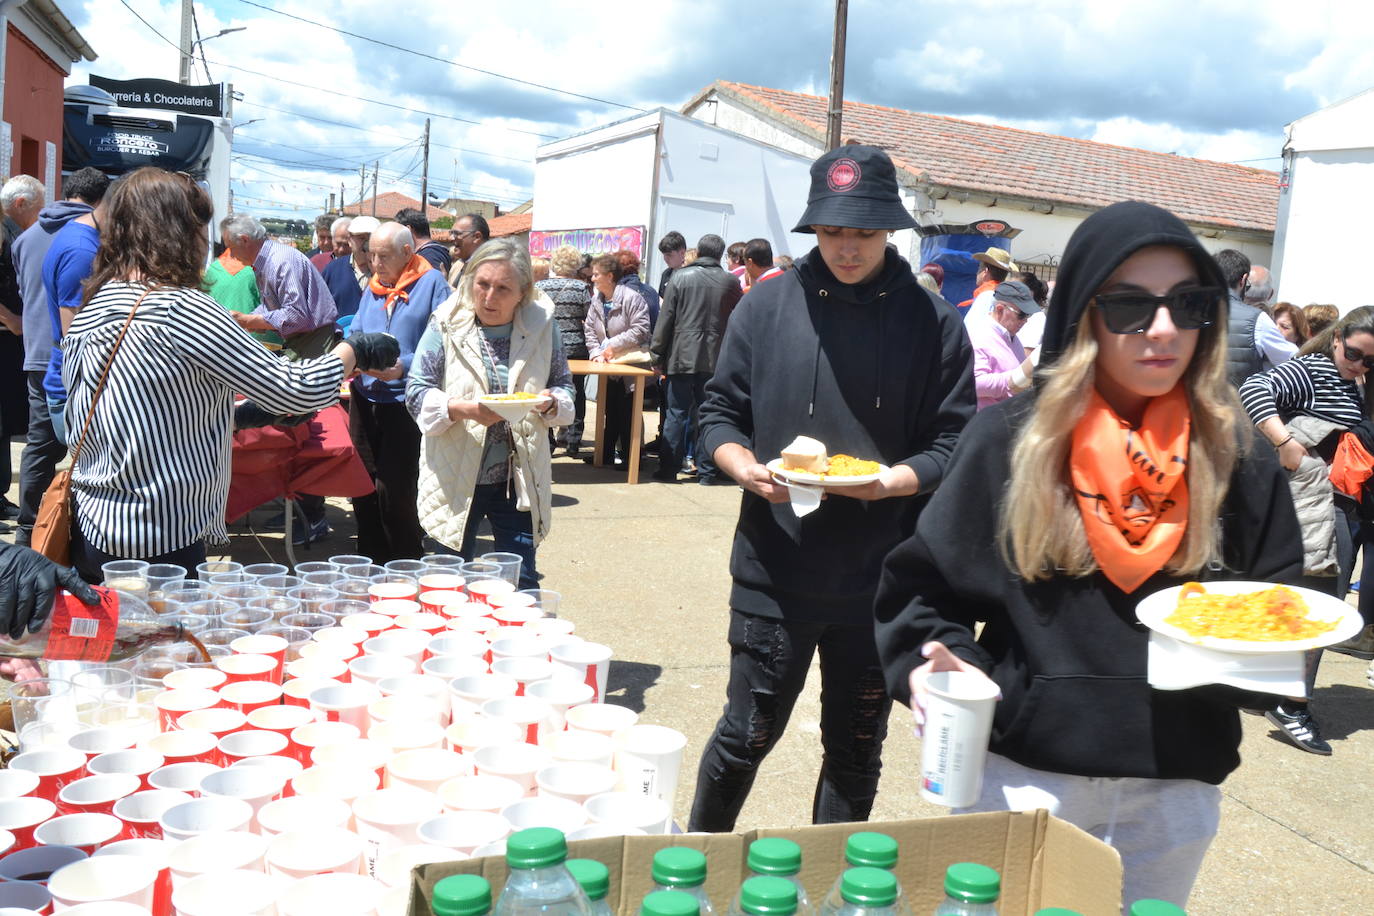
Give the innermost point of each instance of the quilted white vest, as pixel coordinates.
(450, 461)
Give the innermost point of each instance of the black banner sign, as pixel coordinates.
(164, 94)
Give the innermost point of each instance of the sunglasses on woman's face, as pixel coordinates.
(1357, 356)
(1132, 312)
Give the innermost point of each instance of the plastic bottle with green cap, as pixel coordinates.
(767, 895)
(540, 883)
(1156, 908)
(595, 881)
(869, 849)
(864, 891)
(461, 895)
(776, 857)
(669, 903)
(681, 868)
(970, 890)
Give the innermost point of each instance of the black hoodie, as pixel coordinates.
(1068, 653)
(878, 370)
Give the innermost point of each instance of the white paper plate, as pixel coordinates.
(815, 480)
(1154, 608)
(514, 410)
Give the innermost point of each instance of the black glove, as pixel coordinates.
(375, 351)
(28, 587)
(248, 415)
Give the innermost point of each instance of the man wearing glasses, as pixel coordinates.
(470, 231)
(1000, 365)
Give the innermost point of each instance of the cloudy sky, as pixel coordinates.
(1210, 78)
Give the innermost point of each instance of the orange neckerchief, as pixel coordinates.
(1130, 485)
(415, 267)
(983, 287)
(230, 264)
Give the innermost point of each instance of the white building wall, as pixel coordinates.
(609, 184)
(1327, 190)
(732, 116)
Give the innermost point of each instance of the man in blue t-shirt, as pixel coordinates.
(67, 263)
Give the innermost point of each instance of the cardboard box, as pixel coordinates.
(1043, 862)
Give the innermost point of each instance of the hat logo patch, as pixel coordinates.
(844, 175)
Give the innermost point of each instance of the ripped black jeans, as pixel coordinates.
(768, 665)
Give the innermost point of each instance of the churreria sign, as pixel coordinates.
(164, 95)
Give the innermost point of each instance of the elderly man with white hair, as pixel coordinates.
(398, 299)
(347, 277)
(295, 301)
(22, 198)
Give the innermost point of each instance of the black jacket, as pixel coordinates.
(1068, 653)
(878, 371)
(687, 336)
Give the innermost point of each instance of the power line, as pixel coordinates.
(318, 88)
(441, 60)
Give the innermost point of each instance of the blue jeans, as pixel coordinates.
(685, 394)
(57, 414)
(510, 528)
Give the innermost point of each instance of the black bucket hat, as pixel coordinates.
(854, 187)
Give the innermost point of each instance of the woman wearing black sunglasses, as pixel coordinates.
(1128, 468)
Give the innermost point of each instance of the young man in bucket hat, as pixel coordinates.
(848, 349)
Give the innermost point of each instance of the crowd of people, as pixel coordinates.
(1051, 452)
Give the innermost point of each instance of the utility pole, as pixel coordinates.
(362, 187)
(184, 76)
(424, 175)
(376, 167)
(343, 201)
(835, 115)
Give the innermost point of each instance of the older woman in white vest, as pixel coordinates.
(495, 334)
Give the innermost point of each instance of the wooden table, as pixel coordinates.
(608, 371)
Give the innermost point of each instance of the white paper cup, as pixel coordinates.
(648, 759)
(602, 718)
(581, 747)
(127, 879)
(401, 643)
(395, 866)
(218, 721)
(246, 696)
(299, 854)
(141, 812)
(518, 762)
(345, 703)
(588, 662)
(426, 768)
(388, 819)
(318, 669)
(396, 607)
(155, 851)
(551, 628)
(194, 678)
(601, 831)
(526, 713)
(469, 693)
(448, 667)
(480, 793)
(184, 746)
(629, 809)
(430, 624)
(237, 892)
(282, 719)
(558, 813)
(251, 742)
(521, 645)
(369, 669)
(86, 832)
(954, 751)
(284, 768)
(255, 785)
(462, 644)
(360, 752)
(343, 781)
(18, 783)
(213, 852)
(305, 738)
(468, 736)
(464, 831)
(303, 812)
(96, 793)
(205, 815)
(525, 671)
(20, 816)
(100, 908)
(55, 766)
(182, 777)
(407, 736)
(332, 895)
(423, 685)
(95, 741)
(408, 709)
(370, 623)
(171, 704)
(575, 782)
(297, 690)
(495, 849)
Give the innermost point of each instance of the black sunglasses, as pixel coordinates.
(1134, 312)
(1357, 356)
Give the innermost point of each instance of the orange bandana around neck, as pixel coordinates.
(230, 264)
(415, 268)
(1130, 485)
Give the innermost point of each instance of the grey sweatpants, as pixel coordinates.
(1160, 827)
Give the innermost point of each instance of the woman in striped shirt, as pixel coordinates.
(1326, 382)
(152, 478)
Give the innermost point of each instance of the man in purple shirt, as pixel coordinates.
(1000, 365)
(295, 302)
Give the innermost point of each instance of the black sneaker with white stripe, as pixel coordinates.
(1300, 729)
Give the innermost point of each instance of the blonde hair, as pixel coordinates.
(540, 268)
(1042, 528)
(565, 260)
(690, 257)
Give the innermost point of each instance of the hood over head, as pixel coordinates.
(1097, 247)
(60, 212)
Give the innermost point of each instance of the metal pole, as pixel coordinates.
(362, 187)
(835, 116)
(424, 175)
(185, 72)
(376, 167)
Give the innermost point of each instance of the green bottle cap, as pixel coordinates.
(767, 895)
(679, 866)
(594, 877)
(537, 847)
(669, 903)
(867, 886)
(775, 856)
(1156, 908)
(876, 850)
(1057, 911)
(972, 883)
(461, 895)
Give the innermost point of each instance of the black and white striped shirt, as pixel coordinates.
(153, 474)
(1309, 386)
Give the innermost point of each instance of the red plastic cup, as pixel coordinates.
(370, 624)
(139, 813)
(135, 761)
(184, 746)
(85, 831)
(219, 721)
(251, 742)
(173, 704)
(383, 591)
(96, 741)
(55, 766)
(241, 668)
(16, 784)
(20, 816)
(246, 696)
(296, 692)
(283, 720)
(485, 589)
(259, 644)
(151, 848)
(441, 582)
(96, 794)
(319, 668)
(433, 624)
(305, 738)
(395, 607)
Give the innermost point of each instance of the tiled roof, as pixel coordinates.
(389, 204)
(1022, 163)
